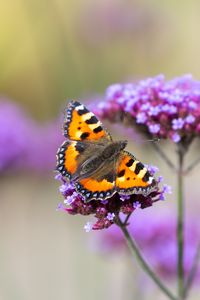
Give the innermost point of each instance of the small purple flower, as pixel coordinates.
(110, 216)
(177, 123)
(154, 111)
(145, 107)
(70, 199)
(104, 201)
(58, 176)
(192, 105)
(88, 227)
(141, 118)
(162, 197)
(124, 197)
(169, 109)
(175, 137)
(152, 169)
(60, 206)
(160, 178)
(167, 189)
(154, 128)
(190, 119)
(113, 90)
(63, 188)
(136, 205)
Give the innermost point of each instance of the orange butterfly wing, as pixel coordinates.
(132, 176)
(82, 125)
(100, 185)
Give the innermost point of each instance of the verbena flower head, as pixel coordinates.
(156, 236)
(163, 109)
(104, 211)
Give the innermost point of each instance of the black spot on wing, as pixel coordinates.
(139, 167)
(130, 162)
(121, 173)
(146, 177)
(80, 147)
(84, 135)
(92, 120)
(82, 111)
(97, 129)
(110, 177)
(75, 103)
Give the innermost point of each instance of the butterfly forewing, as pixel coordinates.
(81, 124)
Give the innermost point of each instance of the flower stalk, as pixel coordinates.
(135, 251)
(180, 225)
(165, 158)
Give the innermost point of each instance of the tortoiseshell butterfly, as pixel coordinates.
(97, 165)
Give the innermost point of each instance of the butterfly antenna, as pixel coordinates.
(154, 140)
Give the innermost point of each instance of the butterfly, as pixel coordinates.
(98, 166)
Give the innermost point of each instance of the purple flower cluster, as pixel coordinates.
(156, 236)
(106, 210)
(163, 109)
(24, 143)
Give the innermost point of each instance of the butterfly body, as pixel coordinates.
(97, 165)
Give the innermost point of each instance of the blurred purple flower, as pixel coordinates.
(24, 143)
(15, 129)
(164, 109)
(42, 145)
(106, 210)
(177, 123)
(156, 236)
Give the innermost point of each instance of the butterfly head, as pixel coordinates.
(123, 144)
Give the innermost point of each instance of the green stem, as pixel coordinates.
(180, 227)
(192, 165)
(135, 251)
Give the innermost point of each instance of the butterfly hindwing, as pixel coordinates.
(132, 176)
(100, 185)
(81, 124)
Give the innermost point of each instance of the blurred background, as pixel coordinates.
(50, 52)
